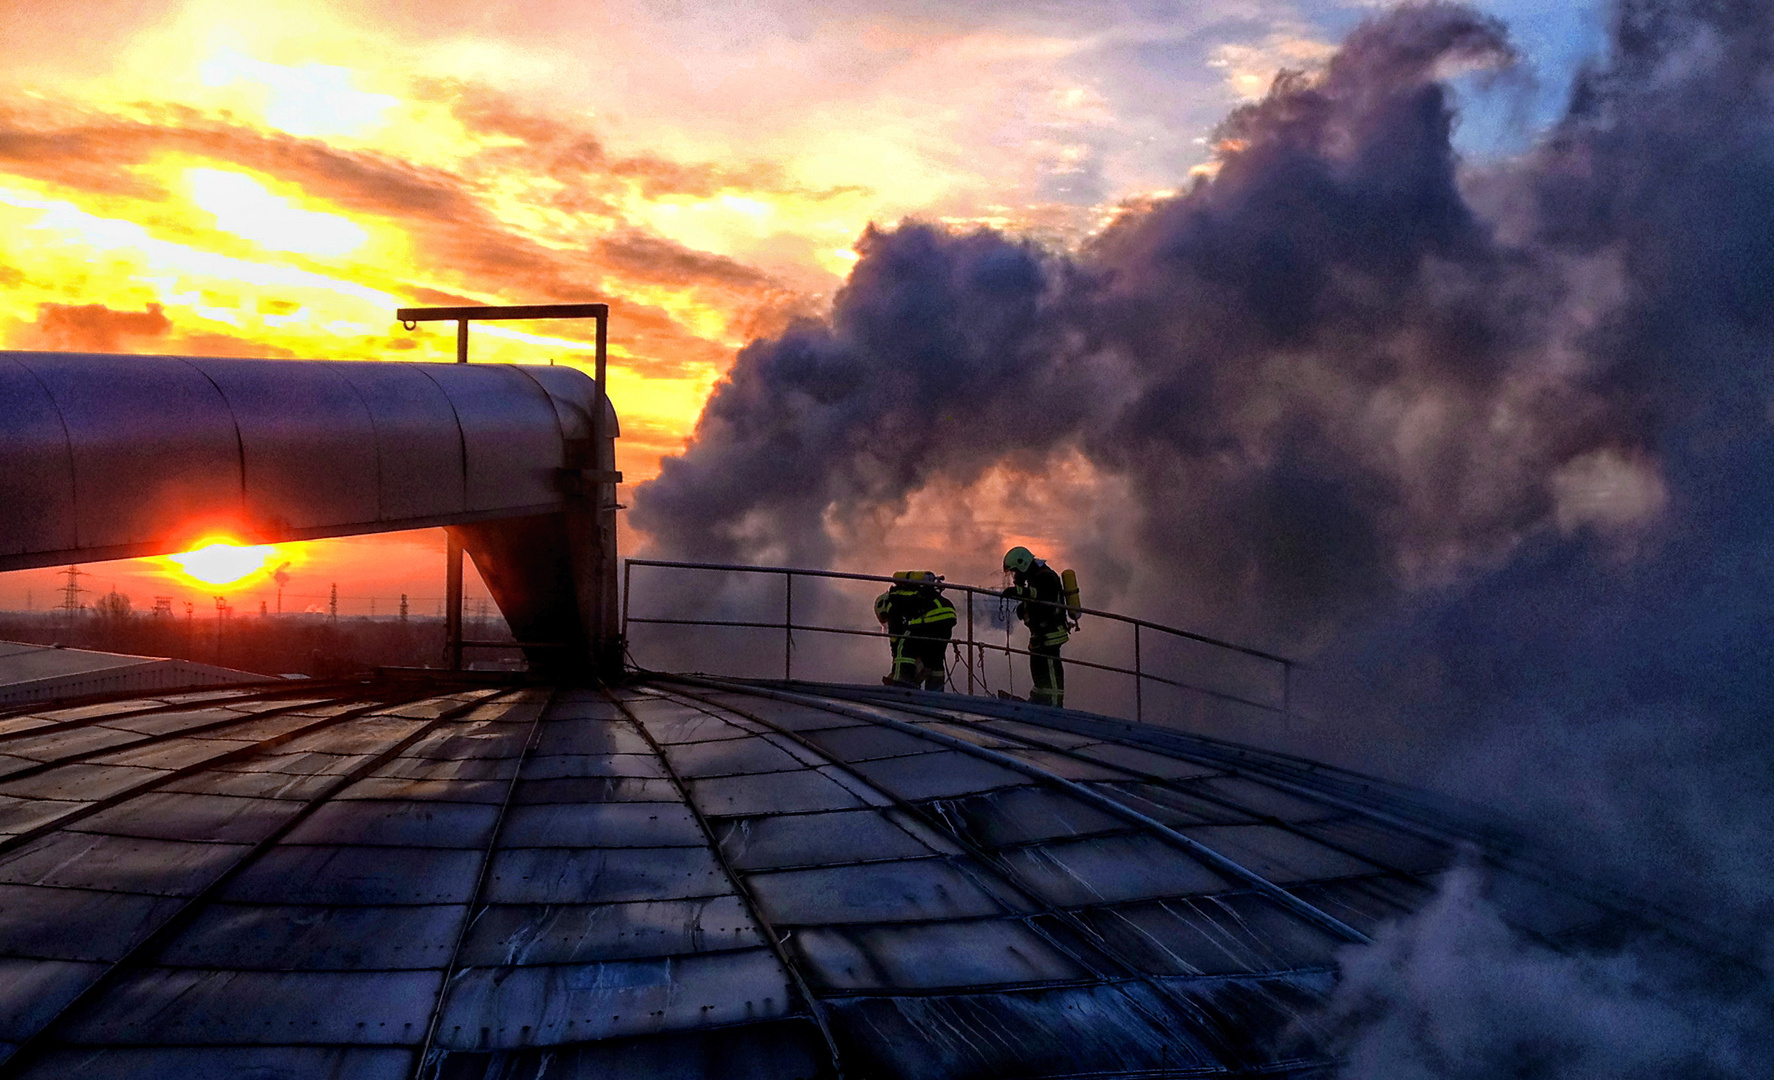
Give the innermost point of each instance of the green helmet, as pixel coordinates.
(1019, 559)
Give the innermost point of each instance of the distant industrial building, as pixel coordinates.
(48, 672)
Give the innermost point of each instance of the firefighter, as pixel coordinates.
(919, 620)
(1042, 604)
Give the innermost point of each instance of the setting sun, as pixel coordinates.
(217, 561)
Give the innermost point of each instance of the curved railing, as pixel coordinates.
(972, 645)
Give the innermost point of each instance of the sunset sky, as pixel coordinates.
(273, 179)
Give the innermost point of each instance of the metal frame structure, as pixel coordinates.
(462, 316)
(973, 646)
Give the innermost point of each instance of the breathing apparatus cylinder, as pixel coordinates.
(1074, 605)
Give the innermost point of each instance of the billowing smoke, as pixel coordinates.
(1323, 376)
(1457, 994)
(1495, 443)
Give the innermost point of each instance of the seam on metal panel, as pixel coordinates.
(33, 1046)
(461, 434)
(234, 419)
(1260, 818)
(474, 897)
(815, 1007)
(1203, 852)
(986, 860)
(375, 436)
(84, 810)
(308, 688)
(67, 446)
(552, 410)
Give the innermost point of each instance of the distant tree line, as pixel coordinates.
(306, 644)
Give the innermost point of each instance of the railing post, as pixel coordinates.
(627, 585)
(970, 641)
(1139, 678)
(453, 599)
(788, 625)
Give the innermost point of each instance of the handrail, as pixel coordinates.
(888, 578)
(788, 626)
(1007, 649)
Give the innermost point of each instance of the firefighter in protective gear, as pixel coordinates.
(920, 621)
(1041, 605)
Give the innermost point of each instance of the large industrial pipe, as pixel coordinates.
(106, 457)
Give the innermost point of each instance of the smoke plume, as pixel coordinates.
(1493, 442)
(1324, 378)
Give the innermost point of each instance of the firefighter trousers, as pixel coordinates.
(920, 661)
(1047, 674)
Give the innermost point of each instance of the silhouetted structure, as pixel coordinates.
(510, 458)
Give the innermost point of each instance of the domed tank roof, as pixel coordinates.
(676, 878)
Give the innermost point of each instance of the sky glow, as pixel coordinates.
(272, 180)
(220, 561)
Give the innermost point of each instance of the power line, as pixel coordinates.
(72, 590)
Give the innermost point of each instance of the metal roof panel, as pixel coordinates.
(126, 864)
(510, 934)
(774, 841)
(287, 937)
(1109, 869)
(589, 736)
(1019, 815)
(578, 1002)
(943, 775)
(1278, 854)
(785, 792)
(169, 1007)
(358, 875)
(788, 1049)
(914, 889)
(33, 991)
(573, 766)
(399, 823)
(21, 815)
(1217, 935)
(396, 787)
(172, 815)
(76, 924)
(595, 789)
(925, 956)
(752, 754)
(601, 825)
(224, 1063)
(581, 875)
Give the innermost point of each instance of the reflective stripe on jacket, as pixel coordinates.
(921, 612)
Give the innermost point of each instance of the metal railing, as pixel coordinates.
(974, 648)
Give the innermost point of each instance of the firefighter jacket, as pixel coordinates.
(920, 612)
(1041, 605)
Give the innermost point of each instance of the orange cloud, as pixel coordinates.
(97, 328)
